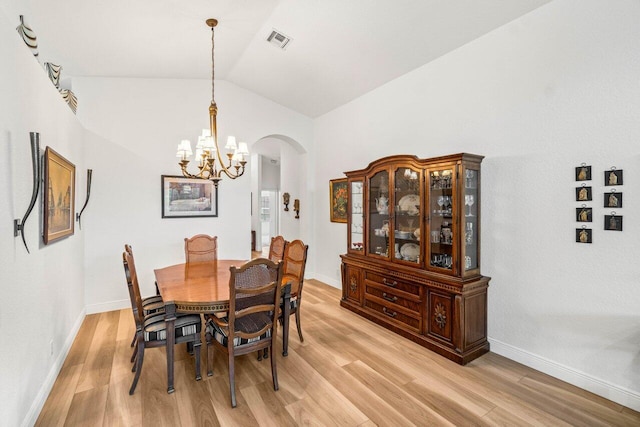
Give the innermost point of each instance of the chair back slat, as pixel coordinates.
(276, 249)
(133, 286)
(254, 295)
(295, 260)
(201, 247)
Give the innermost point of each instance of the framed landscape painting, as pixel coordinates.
(188, 197)
(59, 196)
(339, 199)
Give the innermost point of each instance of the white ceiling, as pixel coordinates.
(341, 49)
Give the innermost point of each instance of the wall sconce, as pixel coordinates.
(285, 200)
(79, 215)
(18, 226)
(296, 207)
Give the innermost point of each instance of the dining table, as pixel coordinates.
(203, 287)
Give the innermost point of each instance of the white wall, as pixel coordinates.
(42, 292)
(537, 97)
(135, 126)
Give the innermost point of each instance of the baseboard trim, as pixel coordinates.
(326, 279)
(108, 306)
(615, 393)
(38, 403)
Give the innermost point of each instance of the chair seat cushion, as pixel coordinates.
(295, 283)
(155, 328)
(152, 304)
(250, 323)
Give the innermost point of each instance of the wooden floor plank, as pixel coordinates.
(347, 372)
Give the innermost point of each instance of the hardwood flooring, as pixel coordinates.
(348, 372)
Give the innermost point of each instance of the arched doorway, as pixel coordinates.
(278, 167)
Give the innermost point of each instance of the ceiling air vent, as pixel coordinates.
(278, 39)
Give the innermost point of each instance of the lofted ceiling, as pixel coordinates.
(340, 50)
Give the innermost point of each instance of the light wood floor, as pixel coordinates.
(347, 372)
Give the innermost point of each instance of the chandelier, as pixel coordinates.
(211, 164)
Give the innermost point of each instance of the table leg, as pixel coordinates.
(170, 319)
(285, 321)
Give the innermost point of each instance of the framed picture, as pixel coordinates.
(583, 173)
(613, 222)
(613, 177)
(613, 200)
(339, 200)
(583, 235)
(583, 193)
(188, 197)
(59, 196)
(584, 214)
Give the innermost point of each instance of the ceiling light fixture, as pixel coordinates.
(211, 165)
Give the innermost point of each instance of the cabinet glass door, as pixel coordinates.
(407, 214)
(442, 233)
(356, 241)
(378, 222)
(471, 219)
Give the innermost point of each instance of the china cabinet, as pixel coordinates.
(413, 258)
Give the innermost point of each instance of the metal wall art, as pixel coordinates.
(613, 199)
(583, 193)
(79, 215)
(613, 177)
(583, 172)
(584, 214)
(613, 222)
(584, 235)
(18, 225)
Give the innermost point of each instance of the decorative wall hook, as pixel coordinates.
(79, 215)
(18, 226)
(285, 199)
(296, 207)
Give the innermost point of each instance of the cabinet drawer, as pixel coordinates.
(394, 298)
(393, 314)
(392, 283)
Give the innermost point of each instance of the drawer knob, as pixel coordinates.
(392, 284)
(388, 298)
(389, 313)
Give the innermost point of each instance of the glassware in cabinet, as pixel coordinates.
(471, 251)
(407, 211)
(378, 209)
(442, 233)
(356, 232)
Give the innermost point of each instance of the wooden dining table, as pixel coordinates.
(202, 287)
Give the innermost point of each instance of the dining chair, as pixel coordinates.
(251, 323)
(276, 248)
(151, 330)
(294, 263)
(201, 247)
(151, 304)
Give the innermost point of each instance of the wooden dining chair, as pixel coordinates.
(251, 323)
(294, 263)
(151, 330)
(151, 304)
(201, 247)
(276, 248)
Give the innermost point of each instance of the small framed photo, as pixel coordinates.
(188, 197)
(613, 200)
(583, 235)
(583, 194)
(613, 222)
(583, 173)
(584, 214)
(613, 177)
(59, 196)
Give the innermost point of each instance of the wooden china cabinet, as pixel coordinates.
(413, 258)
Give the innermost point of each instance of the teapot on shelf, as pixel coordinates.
(382, 205)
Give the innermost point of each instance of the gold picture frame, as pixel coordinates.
(59, 196)
(338, 200)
